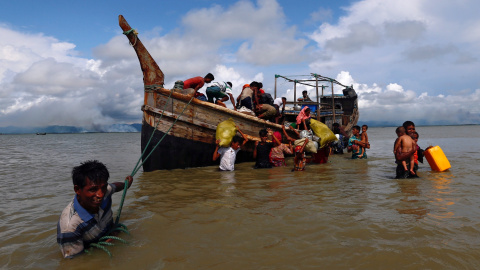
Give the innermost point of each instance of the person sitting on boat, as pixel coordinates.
(192, 85)
(248, 95)
(229, 154)
(304, 97)
(261, 152)
(221, 91)
(239, 96)
(88, 216)
(303, 119)
(277, 157)
(260, 89)
(265, 111)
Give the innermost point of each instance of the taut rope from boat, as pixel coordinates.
(102, 242)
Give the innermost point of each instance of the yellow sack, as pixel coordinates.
(225, 132)
(323, 132)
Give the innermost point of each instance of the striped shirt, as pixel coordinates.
(77, 228)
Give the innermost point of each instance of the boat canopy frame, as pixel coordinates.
(315, 81)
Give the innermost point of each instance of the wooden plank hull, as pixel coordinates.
(189, 128)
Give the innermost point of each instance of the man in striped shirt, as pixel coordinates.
(89, 215)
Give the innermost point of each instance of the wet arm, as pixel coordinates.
(290, 139)
(304, 124)
(245, 138)
(119, 186)
(233, 101)
(304, 144)
(216, 155)
(296, 131)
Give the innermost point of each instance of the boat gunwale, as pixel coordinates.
(211, 106)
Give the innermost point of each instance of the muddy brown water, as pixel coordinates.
(346, 214)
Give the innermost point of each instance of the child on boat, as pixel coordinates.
(89, 216)
(262, 150)
(229, 154)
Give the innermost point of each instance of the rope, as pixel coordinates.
(165, 134)
(117, 225)
(134, 32)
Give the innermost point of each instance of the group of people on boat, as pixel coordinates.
(252, 100)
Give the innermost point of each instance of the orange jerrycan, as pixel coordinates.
(437, 159)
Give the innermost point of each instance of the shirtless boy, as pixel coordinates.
(364, 136)
(406, 144)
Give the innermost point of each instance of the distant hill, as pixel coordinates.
(71, 129)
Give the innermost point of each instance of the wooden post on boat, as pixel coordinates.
(333, 104)
(275, 91)
(294, 93)
(318, 98)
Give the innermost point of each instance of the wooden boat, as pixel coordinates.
(41, 133)
(187, 127)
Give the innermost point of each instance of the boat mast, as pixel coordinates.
(294, 93)
(275, 93)
(318, 100)
(333, 104)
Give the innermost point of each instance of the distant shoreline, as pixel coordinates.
(136, 128)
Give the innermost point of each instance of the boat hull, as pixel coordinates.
(176, 152)
(188, 128)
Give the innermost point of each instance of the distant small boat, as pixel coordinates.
(41, 133)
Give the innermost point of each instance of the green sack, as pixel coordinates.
(225, 132)
(323, 132)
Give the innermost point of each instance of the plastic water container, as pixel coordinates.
(437, 159)
(313, 108)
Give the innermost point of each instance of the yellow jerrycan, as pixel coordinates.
(437, 159)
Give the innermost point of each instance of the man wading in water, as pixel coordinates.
(89, 215)
(406, 156)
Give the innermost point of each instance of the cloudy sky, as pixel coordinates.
(67, 63)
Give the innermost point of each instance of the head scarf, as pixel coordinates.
(301, 116)
(278, 135)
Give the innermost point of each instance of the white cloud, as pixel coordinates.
(406, 59)
(427, 47)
